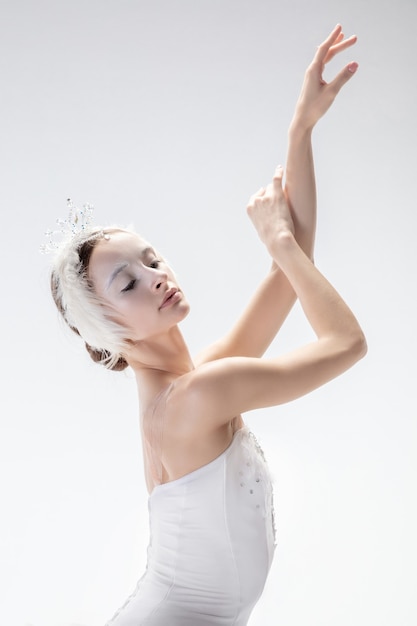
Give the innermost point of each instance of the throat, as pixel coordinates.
(165, 356)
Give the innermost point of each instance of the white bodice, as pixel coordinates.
(211, 543)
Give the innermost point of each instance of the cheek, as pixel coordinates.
(138, 310)
(122, 310)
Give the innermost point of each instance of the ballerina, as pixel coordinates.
(212, 533)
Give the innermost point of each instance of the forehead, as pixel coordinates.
(120, 243)
(120, 247)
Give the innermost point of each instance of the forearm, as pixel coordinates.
(315, 98)
(327, 313)
(300, 185)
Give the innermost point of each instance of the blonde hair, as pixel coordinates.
(84, 312)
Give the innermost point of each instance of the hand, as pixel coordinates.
(316, 95)
(268, 209)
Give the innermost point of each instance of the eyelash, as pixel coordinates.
(130, 285)
(154, 265)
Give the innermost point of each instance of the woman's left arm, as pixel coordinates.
(274, 298)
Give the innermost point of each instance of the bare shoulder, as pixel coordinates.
(215, 392)
(194, 406)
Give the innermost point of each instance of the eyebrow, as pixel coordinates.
(115, 273)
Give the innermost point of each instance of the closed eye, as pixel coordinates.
(155, 264)
(130, 285)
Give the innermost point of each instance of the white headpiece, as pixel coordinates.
(77, 221)
(81, 308)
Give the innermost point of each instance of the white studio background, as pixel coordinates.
(170, 114)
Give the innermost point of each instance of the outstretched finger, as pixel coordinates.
(343, 44)
(343, 76)
(325, 46)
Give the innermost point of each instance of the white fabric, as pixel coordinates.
(211, 544)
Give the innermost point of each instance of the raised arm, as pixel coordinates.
(315, 99)
(270, 305)
(217, 391)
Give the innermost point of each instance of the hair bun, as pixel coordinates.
(103, 356)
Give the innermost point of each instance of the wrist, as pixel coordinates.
(300, 129)
(281, 245)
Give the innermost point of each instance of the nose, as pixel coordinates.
(158, 279)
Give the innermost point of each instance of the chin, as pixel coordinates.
(186, 308)
(184, 313)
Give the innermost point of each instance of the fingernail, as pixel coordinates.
(352, 67)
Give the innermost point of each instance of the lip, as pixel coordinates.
(171, 296)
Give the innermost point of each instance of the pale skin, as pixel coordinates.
(207, 395)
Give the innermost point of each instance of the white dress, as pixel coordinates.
(211, 545)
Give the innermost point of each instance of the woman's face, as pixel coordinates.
(138, 285)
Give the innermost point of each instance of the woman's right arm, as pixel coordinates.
(315, 99)
(219, 390)
(264, 315)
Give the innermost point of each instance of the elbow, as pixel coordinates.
(357, 345)
(351, 346)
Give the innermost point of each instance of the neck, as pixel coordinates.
(158, 361)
